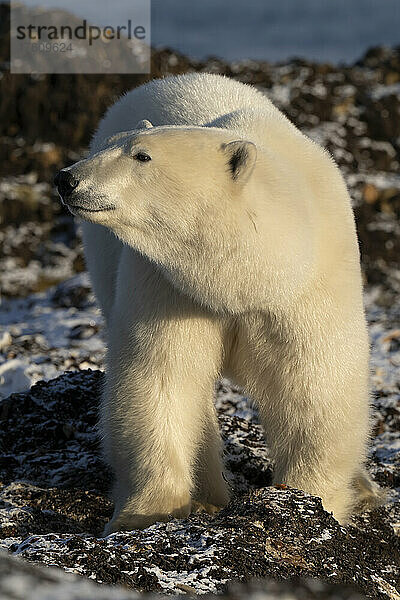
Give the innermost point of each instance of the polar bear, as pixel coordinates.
(220, 240)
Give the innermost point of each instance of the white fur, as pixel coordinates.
(203, 270)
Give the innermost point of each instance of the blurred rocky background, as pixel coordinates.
(46, 122)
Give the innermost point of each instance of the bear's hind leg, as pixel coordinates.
(368, 493)
(310, 382)
(211, 489)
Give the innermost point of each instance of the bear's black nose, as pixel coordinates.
(65, 183)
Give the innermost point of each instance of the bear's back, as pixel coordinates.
(191, 99)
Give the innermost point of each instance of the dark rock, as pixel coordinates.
(20, 580)
(42, 451)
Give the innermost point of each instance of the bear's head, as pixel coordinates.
(174, 193)
(199, 203)
(204, 205)
(158, 175)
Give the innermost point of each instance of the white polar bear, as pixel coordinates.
(221, 240)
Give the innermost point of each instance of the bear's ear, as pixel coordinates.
(241, 158)
(144, 124)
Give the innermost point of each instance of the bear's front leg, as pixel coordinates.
(163, 358)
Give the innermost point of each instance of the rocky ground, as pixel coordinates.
(53, 490)
(53, 496)
(53, 505)
(20, 580)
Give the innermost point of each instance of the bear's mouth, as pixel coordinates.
(92, 203)
(88, 209)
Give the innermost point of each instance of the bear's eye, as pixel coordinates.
(142, 157)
